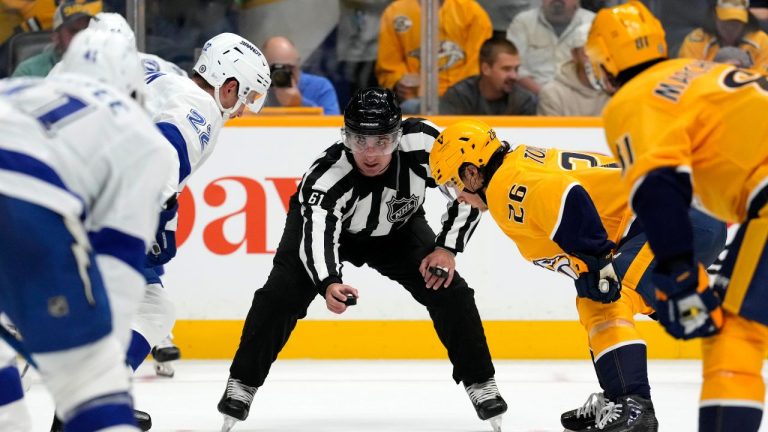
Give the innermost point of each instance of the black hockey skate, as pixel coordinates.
(626, 414)
(235, 403)
(164, 353)
(142, 419)
(488, 402)
(583, 417)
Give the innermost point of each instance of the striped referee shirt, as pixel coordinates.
(335, 197)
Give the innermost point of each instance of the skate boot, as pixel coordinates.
(583, 417)
(143, 419)
(235, 403)
(164, 353)
(488, 402)
(627, 414)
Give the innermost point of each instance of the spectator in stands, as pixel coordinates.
(290, 86)
(730, 24)
(495, 90)
(570, 93)
(502, 12)
(70, 17)
(463, 27)
(357, 41)
(759, 9)
(543, 36)
(735, 56)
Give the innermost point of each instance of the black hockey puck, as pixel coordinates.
(439, 272)
(351, 300)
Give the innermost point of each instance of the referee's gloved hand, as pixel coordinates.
(685, 304)
(336, 297)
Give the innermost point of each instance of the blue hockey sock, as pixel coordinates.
(138, 351)
(10, 385)
(624, 371)
(102, 413)
(720, 418)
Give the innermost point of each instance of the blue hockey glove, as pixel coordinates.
(600, 282)
(164, 247)
(686, 306)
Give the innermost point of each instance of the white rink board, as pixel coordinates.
(206, 285)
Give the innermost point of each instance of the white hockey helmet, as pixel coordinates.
(114, 23)
(106, 57)
(228, 55)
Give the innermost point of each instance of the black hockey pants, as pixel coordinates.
(289, 290)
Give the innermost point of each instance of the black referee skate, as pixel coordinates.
(235, 403)
(488, 402)
(626, 414)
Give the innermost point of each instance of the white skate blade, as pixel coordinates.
(495, 423)
(229, 423)
(164, 369)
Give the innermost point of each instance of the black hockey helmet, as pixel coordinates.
(372, 111)
(372, 122)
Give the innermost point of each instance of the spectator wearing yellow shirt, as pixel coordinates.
(730, 25)
(463, 27)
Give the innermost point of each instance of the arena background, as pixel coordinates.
(232, 215)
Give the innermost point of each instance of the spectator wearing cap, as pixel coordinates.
(729, 24)
(543, 36)
(290, 86)
(495, 90)
(570, 93)
(70, 18)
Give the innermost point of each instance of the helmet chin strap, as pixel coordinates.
(225, 112)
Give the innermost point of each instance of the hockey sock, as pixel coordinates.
(718, 418)
(138, 350)
(10, 385)
(109, 411)
(624, 371)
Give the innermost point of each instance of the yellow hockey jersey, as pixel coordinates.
(526, 198)
(695, 116)
(463, 27)
(704, 46)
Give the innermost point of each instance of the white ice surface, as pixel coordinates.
(394, 396)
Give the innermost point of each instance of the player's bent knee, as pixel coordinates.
(735, 378)
(78, 375)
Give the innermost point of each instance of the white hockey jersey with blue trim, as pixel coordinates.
(89, 153)
(187, 116)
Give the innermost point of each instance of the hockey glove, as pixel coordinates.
(687, 307)
(164, 247)
(600, 282)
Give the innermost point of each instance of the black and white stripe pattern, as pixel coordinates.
(335, 197)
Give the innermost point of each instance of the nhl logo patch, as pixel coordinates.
(399, 209)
